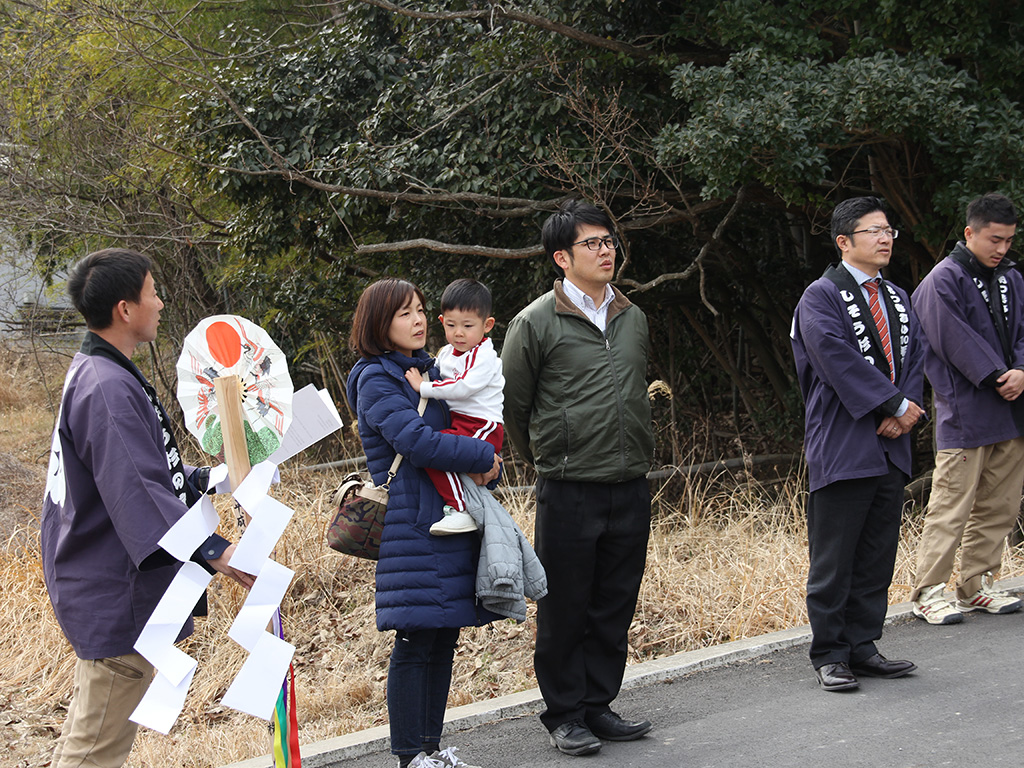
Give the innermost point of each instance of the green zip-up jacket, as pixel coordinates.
(576, 404)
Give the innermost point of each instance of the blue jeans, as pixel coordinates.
(419, 676)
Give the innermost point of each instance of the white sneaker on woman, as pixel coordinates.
(423, 760)
(447, 758)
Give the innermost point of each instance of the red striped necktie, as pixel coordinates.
(871, 286)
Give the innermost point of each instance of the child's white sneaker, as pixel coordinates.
(453, 522)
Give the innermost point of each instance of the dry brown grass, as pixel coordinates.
(723, 563)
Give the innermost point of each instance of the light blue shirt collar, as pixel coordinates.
(860, 277)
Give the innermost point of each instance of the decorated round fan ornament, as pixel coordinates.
(229, 345)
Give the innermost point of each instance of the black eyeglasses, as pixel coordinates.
(596, 243)
(879, 232)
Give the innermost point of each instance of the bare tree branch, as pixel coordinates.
(461, 250)
(498, 12)
(697, 263)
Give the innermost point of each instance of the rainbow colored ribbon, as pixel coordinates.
(286, 724)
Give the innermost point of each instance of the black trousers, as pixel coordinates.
(592, 540)
(853, 529)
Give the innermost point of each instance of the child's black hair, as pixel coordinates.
(467, 295)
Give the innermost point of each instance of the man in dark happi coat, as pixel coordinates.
(116, 484)
(858, 360)
(971, 309)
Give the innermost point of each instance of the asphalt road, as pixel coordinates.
(963, 706)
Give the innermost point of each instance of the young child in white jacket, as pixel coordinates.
(471, 383)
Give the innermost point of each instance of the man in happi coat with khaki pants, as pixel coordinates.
(971, 308)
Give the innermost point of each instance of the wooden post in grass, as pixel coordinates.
(232, 421)
(236, 456)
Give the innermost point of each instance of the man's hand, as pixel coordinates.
(912, 415)
(414, 377)
(895, 426)
(889, 428)
(221, 566)
(483, 478)
(1010, 384)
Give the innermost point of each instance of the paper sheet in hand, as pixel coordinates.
(314, 417)
(156, 641)
(256, 687)
(263, 599)
(194, 527)
(269, 519)
(163, 702)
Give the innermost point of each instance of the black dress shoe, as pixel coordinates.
(879, 666)
(574, 738)
(611, 727)
(836, 677)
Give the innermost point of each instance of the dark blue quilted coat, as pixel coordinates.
(423, 581)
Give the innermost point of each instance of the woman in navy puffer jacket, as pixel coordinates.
(425, 584)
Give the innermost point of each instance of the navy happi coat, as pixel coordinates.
(964, 352)
(109, 499)
(846, 395)
(423, 581)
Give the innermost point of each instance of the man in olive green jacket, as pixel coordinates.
(576, 407)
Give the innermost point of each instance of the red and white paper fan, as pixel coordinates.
(225, 345)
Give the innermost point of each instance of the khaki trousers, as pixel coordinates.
(975, 500)
(97, 731)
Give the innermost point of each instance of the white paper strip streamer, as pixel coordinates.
(163, 702)
(263, 599)
(253, 489)
(269, 519)
(194, 527)
(258, 684)
(156, 641)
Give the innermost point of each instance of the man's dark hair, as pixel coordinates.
(848, 213)
(468, 295)
(992, 208)
(101, 280)
(375, 311)
(560, 230)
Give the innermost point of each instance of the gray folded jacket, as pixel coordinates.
(509, 570)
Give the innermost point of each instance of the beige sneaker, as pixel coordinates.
(989, 600)
(934, 608)
(453, 522)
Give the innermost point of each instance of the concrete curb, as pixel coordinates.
(324, 753)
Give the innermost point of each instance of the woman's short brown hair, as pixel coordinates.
(376, 309)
